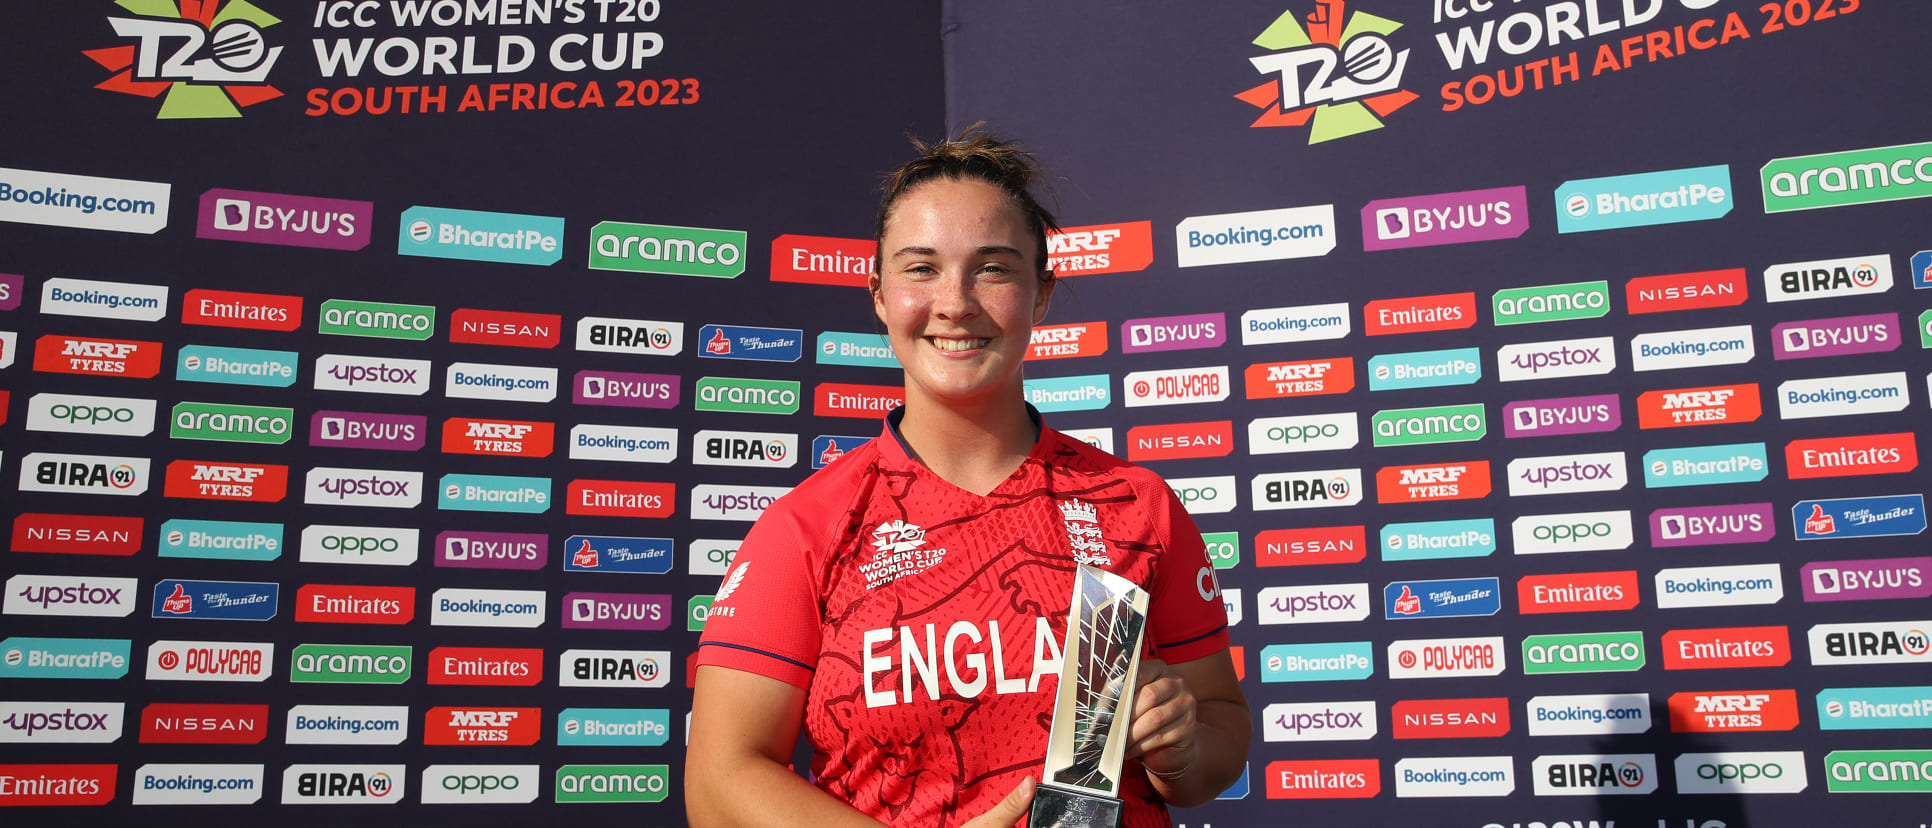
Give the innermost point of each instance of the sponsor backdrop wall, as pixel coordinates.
(386, 386)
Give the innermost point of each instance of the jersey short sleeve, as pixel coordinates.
(764, 618)
(1186, 617)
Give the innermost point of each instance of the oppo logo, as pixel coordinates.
(1205, 495)
(1754, 772)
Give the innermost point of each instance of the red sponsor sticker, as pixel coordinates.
(1853, 455)
(1415, 314)
(1687, 291)
(1734, 710)
(1577, 592)
(821, 260)
(77, 534)
(204, 724)
(1180, 440)
(97, 357)
(1726, 647)
(1301, 547)
(29, 785)
(1101, 248)
(517, 330)
(210, 480)
(1081, 339)
(482, 725)
(1707, 405)
(1240, 656)
(1325, 779)
(1273, 380)
(354, 604)
(233, 309)
(1467, 480)
(493, 666)
(501, 438)
(6, 399)
(691, 671)
(838, 399)
(1449, 718)
(621, 498)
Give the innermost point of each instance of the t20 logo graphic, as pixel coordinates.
(208, 60)
(1339, 72)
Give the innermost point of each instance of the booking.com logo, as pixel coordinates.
(202, 68)
(1339, 72)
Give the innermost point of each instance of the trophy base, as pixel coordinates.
(1057, 807)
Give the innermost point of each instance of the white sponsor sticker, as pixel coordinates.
(1319, 722)
(1231, 601)
(354, 784)
(647, 337)
(1454, 776)
(367, 545)
(716, 502)
(1694, 348)
(1556, 358)
(1828, 278)
(1205, 495)
(329, 486)
(1719, 586)
(1300, 323)
(507, 383)
(452, 607)
(1258, 236)
(90, 596)
(40, 722)
(9, 346)
(480, 784)
(84, 201)
(1100, 438)
(346, 724)
(1312, 604)
(1590, 714)
(1572, 532)
(626, 444)
(78, 414)
(181, 784)
(1306, 489)
(756, 449)
(712, 557)
(1758, 772)
(1594, 774)
(84, 474)
(1874, 642)
(210, 661)
(372, 375)
(1801, 399)
(103, 300)
(1447, 657)
(1180, 386)
(1568, 473)
(614, 668)
(1310, 432)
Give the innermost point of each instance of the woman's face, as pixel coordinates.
(959, 291)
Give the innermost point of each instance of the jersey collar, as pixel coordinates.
(894, 450)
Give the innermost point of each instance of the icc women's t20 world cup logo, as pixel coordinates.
(1338, 72)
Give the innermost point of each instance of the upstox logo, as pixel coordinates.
(677, 251)
(384, 320)
(1440, 424)
(1836, 179)
(1662, 197)
(1340, 72)
(480, 236)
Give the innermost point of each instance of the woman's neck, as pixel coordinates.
(972, 448)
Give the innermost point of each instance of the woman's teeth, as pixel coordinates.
(959, 344)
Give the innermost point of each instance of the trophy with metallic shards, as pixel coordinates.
(1099, 670)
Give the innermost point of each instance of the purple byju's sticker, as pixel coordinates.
(616, 611)
(1445, 218)
(11, 286)
(1871, 334)
(1174, 333)
(625, 389)
(492, 550)
(366, 430)
(275, 218)
(1713, 525)
(1867, 579)
(1562, 415)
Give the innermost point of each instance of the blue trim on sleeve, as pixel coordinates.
(775, 655)
(1209, 634)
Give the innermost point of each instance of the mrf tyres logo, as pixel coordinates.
(204, 60)
(1339, 71)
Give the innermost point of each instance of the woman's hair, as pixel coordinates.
(976, 155)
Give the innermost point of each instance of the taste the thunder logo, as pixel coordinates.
(1339, 72)
(203, 58)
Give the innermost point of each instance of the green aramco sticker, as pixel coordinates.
(657, 248)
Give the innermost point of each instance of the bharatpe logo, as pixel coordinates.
(1259, 236)
(1588, 715)
(1594, 774)
(1705, 465)
(1871, 708)
(206, 62)
(103, 300)
(236, 366)
(1867, 580)
(220, 540)
(1837, 179)
(1472, 538)
(1445, 218)
(862, 349)
(83, 201)
(1713, 525)
(1858, 517)
(1828, 278)
(676, 251)
(1841, 396)
(480, 236)
(1550, 303)
(1562, 415)
(596, 553)
(1319, 722)
(1340, 72)
(1425, 369)
(1448, 598)
(744, 342)
(1087, 392)
(1719, 586)
(1872, 334)
(492, 493)
(1300, 323)
(643, 337)
(1337, 661)
(1610, 652)
(613, 726)
(1642, 199)
(619, 388)
(63, 658)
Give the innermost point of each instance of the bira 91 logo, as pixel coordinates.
(205, 60)
(1872, 334)
(203, 480)
(1577, 592)
(343, 784)
(492, 550)
(204, 724)
(1303, 547)
(1274, 380)
(1734, 711)
(1467, 480)
(485, 666)
(838, 399)
(84, 474)
(345, 604)
(767, 450)
(1727, 648)
(1879, 642)
(822, 260)
(1415, 314)
(1449, 718)
(1306, 490)
(277, 218)
(1828, 278)
(1081, 339)
(1100, 248)
(509, 328)
(621, 498)
(1180, 440)
(232, 309)
(503, 726)
(1707, 405)
(77, 534)
(642, 337)
(1340, 72)
(1324, 779)
(1686, 291)
(624, 669)
(95, 357)
(1627, 774)
(1174, 333)
(1851, 455)
(499, 438)
(1445, 218)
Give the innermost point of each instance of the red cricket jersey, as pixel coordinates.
(924, 622)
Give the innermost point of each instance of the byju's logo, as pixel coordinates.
(1664, 197)
(616, 611)
(625, 389)
(1174, 333)
(492, 550)
(1713, 525)
(1445, 218)
(480, 236)
(1595, 774)
(1872, 334)
(365, 430)
(275, 218)
(1562, 415)
(204, 69)
(1341, 72)
(1872, 579)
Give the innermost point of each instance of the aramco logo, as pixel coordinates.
(1340, 72)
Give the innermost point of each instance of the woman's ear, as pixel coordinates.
(873, 285)
(1044, 297)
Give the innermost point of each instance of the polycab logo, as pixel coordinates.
(838, 399)
(1447, 657)
(204, 724)
(1577, 592)
(1828, 278)
(509, 383)
(1086, 392)
(475, 235)
(1181, 386)
(822, 260)
(1696, 348)
(1314, 604)
(1081, 339)
(343, 784)
(626, 444)
(1719, 586)
(500, 438)
(1303, 547)
(1550, 303)
(1705, 465)
(1455, 776)
(1734, 711)
(1858, 454)
(1760, 772)
(492, 550)
(90, 356)
(202, 480)
(1174, 333)
(363, 487)
(1486, 718)
(504, 726)
(1662, 197)
(1567, 474)
(1686, 291)
(628, 669)
(1425, 369)
(1706, 405)
(1588, 715)
(1562, 415)
(346, 604)
(755, 449)
(1180, 441)
(83, 474)
(1300, 323)
(77, 534)
(1312, 432)
(1468, 480)
(1432, 540)
(1259, 236)
(366, 430)
(1843, 396)
(210, 661)
(1445, 218)
(372, 375)
(1595, 774)
(1839, 336)
(509, 328)
(39, 785)
(1306, 490)
(1323, 779)
(1558, 358)
(485, 666)
(1446, 598)
(1319, 722)
(595, 553)
(1572, 532)
(1125, 247)
(1340, 103)
(1864, 580)
(1712, 525)
(236, 366)
(1857, 517)
(276, 218)
(625, 389)
(493, 493)
(363, 545)
(234, 309)
(218, 600)
(1273, 380)
(1874, 708)
(1881, 642)
(1727, 648)
(1337, 661)
(621, 498)
(452, 607)
(103, 300)
(1415, 314)
(639, 337)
